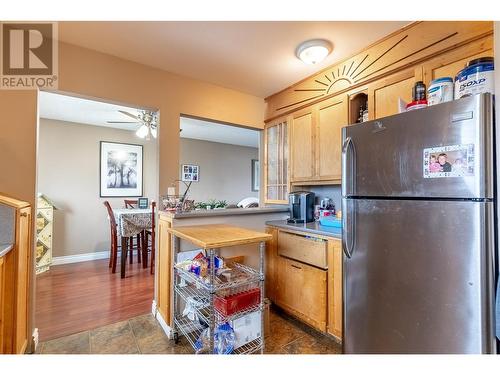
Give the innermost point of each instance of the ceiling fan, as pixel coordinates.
(147, 119)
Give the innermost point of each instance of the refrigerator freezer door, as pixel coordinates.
(419, 278)
(440, 151)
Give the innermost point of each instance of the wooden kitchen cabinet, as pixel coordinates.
(22, 279)
(450, 63)
(335, 288)
(271, 259)
(316, 108)
(276, 166)
(163, 270)
(332, 115)
(383, 95)
(311, 293)
(302, 145)
(15, 282)
(316, 141)
(2, 303)
(302, 290)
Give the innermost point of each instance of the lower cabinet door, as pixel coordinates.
(22, 308)
(301, 290)
(2, 304)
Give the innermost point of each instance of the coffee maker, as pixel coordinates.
(301, 207)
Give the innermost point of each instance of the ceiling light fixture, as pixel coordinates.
(149, 120)
(313, 51)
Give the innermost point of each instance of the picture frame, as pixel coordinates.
(142, 203)
(120, 169)
(255, 175)
(190, 173)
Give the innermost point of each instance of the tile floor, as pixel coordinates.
(143, 334)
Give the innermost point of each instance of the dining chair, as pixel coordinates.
(133, 203)
(150, 240)
(130, 203)
(113, 252)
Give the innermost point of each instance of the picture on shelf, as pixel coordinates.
(255, 175)
(190, 172)
(120, 169)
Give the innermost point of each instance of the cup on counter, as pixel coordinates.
(317, 211)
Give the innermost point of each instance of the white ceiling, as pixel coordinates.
(215, 132)
(253, 57)
(83, 111)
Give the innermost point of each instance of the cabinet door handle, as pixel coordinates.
(23, 214)
(294, 266)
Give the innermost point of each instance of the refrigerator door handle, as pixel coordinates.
(347, 177)
(347, 233)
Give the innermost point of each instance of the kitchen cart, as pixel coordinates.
(190, 287)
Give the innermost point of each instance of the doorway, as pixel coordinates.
(219, 162)
(89, 151)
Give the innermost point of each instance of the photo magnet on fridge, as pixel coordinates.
(448, 161)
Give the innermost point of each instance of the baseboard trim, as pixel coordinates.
(80, 258)
(156, 313)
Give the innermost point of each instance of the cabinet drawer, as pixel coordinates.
(307, 250)
(301, 290)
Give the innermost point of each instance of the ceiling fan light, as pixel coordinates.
(142, 132)
(314, 51)
(154, 132)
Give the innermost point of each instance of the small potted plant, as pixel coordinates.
(220, 204)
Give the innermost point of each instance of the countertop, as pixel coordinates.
(5, 248)
(218, 235)
(314, 227)
(225, 212)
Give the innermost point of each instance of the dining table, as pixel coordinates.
(131, 222)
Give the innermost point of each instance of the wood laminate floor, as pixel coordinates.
(79, 297)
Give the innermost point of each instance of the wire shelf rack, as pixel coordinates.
(251, 347)
(203, 310)
(201, 295)
(193, 330)
(252, 276)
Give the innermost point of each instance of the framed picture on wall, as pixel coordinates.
(190, 172)
(120, 170)
(142, 203)
(255, 175)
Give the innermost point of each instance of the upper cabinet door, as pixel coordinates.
(332, 115)
(450, 63)
(276, 162)
(302, 145)
(383, 95)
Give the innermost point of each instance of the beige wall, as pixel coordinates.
(97, 75)
(68, 174)
(225, 170)
(103, 76)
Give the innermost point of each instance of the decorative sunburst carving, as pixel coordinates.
(352, 72)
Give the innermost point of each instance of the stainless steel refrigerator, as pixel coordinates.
(419, 231)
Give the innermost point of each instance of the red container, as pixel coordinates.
(237, 302)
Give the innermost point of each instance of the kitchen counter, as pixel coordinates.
(5, 248)
(225, 212)
(314, 227)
